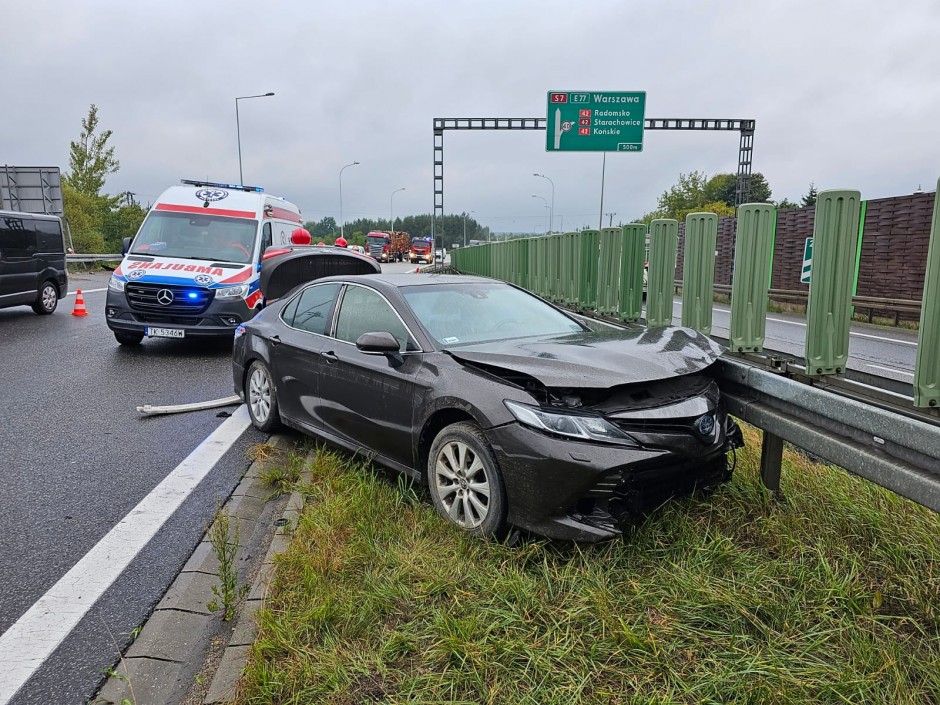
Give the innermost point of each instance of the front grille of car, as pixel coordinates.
(191, 300)
(156, 320)
(655, 426)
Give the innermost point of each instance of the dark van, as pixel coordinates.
(32, 261)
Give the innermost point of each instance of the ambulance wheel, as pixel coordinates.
(128, 337)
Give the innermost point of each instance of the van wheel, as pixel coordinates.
(48, 299)
(128, 337)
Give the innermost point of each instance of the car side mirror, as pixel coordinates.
(381, 344)
(125, 245)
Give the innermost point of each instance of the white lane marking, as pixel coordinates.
(87, 291)
(26, 645)
(803, 325)
(890, 369)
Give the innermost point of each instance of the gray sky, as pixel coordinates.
(845, 94)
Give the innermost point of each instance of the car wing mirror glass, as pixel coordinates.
(125, 245)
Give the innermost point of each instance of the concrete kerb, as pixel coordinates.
(161, 665)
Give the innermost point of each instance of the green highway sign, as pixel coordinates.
(807, 269)
(595, 121)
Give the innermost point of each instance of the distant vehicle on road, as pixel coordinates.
(387, 247)
(512, 411)
(192, 269)
(32, 261)
(422, 250)
(476, 242)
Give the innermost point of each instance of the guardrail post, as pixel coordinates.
(664, 244)
(771, 460)
(753, 262)
(698, 272)
(829, 310)
(927, 367)
(632, 258)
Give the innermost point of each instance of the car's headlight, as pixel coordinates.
(115, 284)
(232, 292)
(588, 428)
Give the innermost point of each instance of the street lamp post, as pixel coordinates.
(391, 209)
(342, 223)
(238, 131)
(546, 206)
(542, 176)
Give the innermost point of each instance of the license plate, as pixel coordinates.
(166, 333)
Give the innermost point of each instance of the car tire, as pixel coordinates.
(465, 483)
(261, 397)
(125, 337)
(48, 299)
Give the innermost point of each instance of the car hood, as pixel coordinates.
(301, 264)
(597, 360)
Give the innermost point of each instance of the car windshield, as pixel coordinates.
(462, 314)
(190, 236)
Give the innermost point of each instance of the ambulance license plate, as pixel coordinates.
(165, 333)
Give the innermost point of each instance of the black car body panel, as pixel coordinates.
(305, 263)
(651, 385)
(32, 252)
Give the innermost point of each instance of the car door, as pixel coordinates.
(17, 262)
(295, 351)
(367, 400)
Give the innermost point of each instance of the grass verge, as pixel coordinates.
(832, 596)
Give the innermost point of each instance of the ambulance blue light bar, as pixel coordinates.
(236, 187)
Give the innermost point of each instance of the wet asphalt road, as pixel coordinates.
(77, 457)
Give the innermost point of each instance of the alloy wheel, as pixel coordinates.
(259, 394)
(462, 484)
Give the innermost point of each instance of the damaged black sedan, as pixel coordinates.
(513, 412)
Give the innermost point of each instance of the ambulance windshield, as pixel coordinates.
(190, 236)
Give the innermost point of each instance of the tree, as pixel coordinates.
(786, 205)
(90, 159)
(810, 198)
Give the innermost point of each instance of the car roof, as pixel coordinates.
(19, 214)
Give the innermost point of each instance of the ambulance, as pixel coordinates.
(193, 269)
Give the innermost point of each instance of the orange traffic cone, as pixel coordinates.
(79, 309)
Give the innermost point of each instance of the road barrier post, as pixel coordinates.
(664, 244)
(586, 284)
(829, 309)
(753, 261)
(632, 259)
(927, 367)
(570, 266)
(698, 272)
(610, 245)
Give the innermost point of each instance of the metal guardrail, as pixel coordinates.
(872, 441)
(94, 258)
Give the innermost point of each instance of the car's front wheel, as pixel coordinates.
(48, 299)
(261, 398)
(465, 482)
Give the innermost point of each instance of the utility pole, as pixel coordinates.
(610, 222)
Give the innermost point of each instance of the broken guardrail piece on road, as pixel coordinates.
(195, 406)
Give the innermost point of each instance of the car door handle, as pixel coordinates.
(329, 356)
(275, 340)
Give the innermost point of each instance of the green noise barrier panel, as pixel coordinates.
(610, 245)
(632, 261)
(664, 244)
(753, 260)
(829, 310)
(698, 271)
(586, 284)
(927, 367)
(570, 264)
